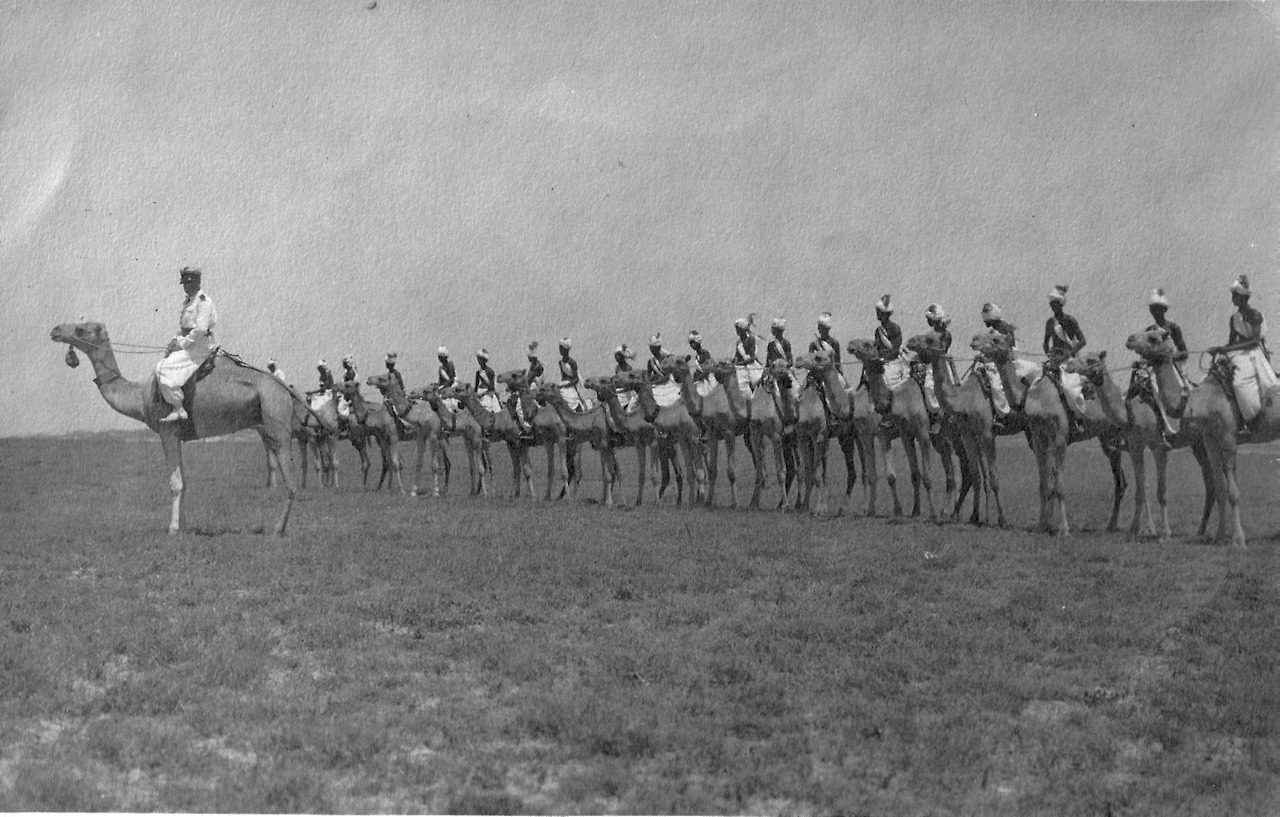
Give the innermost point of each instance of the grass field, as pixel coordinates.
(491, 656)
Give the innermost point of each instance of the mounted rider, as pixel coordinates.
(701, 374)
(446, 376)
(622, 357)
(888, 342)
(1063, 340)
(486, 381)
(348, 376)
(1246, 349)
(993, 319)
(1158, 306)
(939, 321)
(745, 360)
(779, 347)
(275, 370)
(191, 347)
(569, 379)
(393, 374)
(826, 343)
(653, 367)
(533, 375)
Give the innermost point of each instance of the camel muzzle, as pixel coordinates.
(73, 360)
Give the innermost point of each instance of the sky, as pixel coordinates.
(366, 177)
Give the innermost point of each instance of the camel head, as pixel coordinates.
(429, 393)
(514, 380)
(677, 366)
(546, 393)
(348, 388)
(864, 350)
(628, 381)
(82, 336)
(1155, 345)
(1092, 367)
(927, 347)
(460, 391)
(992, 344)
(381, 382)
(722, 369)
(817, 361)
(600, 385)
(778, 369)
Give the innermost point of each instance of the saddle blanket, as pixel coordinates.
(1253, 377)
(576, 400)
(319, 401)
(667, 394)
(749, 376)
(702, 387)
(489, 401)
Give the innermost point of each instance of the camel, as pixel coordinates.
(773, 418)
(1157, 352)
(498, 426)
(1212, 417)
(584, 427)
(678, 437)
(317, 430)
(459, 424)
(909, 416)
(1041, 407)
(1139, 424)
(374, 422)
(629, 429)
(231, 398)
(548, 431)
(852, 421)
(422, 425)
(722, 416)
(973, 418)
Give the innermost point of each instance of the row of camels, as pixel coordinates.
(682, 440)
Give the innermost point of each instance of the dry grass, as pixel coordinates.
(471, 656)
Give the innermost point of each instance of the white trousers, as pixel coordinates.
(176, 369)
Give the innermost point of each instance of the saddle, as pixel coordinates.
(157, 407)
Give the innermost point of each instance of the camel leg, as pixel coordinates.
(1039, 448)
(287, 476)
(926, 477)
(818, 496)
(1233, 494)
(1206, 477)
(1059, 464)
(1161, 457)
(421, 446)
(1119, 485)
(731, 469)
(642, 462)
(1138, 460)
(779, 464)
(869, 458)
(395, 467)
(913, 466)
(177, 485)
(993, 478)
(713, 468)
(758, 441)
(473, 479)
(890, 475)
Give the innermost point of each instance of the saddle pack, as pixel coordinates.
(157, 407)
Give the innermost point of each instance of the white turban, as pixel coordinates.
(825, 319)
(1158, 298)
(991, 312)
(935, 312)
(1240, 285)
(882, 305)
(779, 323)
(656, 340)
(483, 353)
(443, 351)
(741, 323)
(1058, 294)
(565, 343)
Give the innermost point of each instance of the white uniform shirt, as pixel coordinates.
(197, 320)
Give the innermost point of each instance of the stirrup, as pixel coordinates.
(175, 416)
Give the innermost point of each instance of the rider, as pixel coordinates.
(569, 378)
(744, 351)
(446, 372)
(622, 357)
(653, 367)
(1063, 340)
(701, 356)
(778, 346)
(275, 370)
(534, 374)
(349, 369)
(993, 319)
(392, 372)
(191, 347)
(1247, 350)
(1159, 308)
(938, 321)
(826, 343)
(326, 378)
(486, 381)
(888, 342)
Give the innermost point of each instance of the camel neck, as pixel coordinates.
(1110, 399)
(946, 391)
(121, 394)
(838, 399)
(692, 399)
(1014, 390)
(1171, 386)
